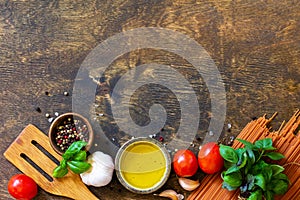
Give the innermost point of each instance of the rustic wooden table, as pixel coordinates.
(254, 44)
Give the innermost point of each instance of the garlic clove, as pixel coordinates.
(188, 184)
(171, 194)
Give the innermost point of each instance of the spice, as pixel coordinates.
(47, 115)
(69, 131)
(66, 93)
(161, 139)
(38, 109)
(50, 120)
(229, 127)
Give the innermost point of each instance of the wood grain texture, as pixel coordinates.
(255, 45)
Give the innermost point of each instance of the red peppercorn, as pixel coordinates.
(161, 139)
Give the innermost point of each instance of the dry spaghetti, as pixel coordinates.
(286, 140)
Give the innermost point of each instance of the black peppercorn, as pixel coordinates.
(38, 109)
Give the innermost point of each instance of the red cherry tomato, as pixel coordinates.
(210, 159)
(22, 187)
(185, 163)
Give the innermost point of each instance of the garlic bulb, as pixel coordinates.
(101, 172)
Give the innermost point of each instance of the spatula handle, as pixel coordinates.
(85, 194)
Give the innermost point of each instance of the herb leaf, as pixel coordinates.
(251, 156)
(268, 195)
(74, 148)
(246, 169)
(80, 156)
(233, 179)
(243, 161)
(274, 155)
(281, 176)
(246, 143)
(232, 169)
(78, 167)
(228, 154)
(279, 186)
(59, 172)
(276, 169)
(250, 181)
(257, 195)
(265, 144)
(260, 181)
(225, 185)
(74, 158)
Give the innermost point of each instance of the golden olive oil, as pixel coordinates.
(143, 165)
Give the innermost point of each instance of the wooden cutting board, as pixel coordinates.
(32, 153)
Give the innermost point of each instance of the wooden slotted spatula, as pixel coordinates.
(32, 153)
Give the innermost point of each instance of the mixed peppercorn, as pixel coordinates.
(69, 131)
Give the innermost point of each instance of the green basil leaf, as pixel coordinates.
(274, 155)
(80, 156)
(243, 160)
(265, 144)
(267, 173)
(276, 169)
(240, 152)
(257, 195)
(250, 181)
(259, 167)
(228, 187)
(251, 156)
(260, 181)
(259, 144)
(228, 153)
(74, 148)
(232, 169)
(246, 143)
(78, 167)
(269, 195)
(59, 172)
(279, 186)
(227, 164)
(281, 176)
(268, 144)
(63, 163)
(234, 179)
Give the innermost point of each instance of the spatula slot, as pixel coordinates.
(50, 156)
(33, 164)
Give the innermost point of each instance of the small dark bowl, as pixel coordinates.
(59, 121)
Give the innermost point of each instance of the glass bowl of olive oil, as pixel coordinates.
(143, 165)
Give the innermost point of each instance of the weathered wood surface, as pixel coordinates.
(255, 45)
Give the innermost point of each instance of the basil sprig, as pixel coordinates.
(247, 170)
(74, 158)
